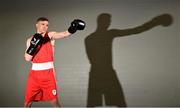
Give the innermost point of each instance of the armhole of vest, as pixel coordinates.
(53, 43)
(51, 39)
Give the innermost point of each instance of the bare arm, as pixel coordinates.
(77, 24)
(58, 35)
(27, 57)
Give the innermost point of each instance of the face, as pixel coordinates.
(42, 26)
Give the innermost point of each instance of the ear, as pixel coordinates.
(36, 25)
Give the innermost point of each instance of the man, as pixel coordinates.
(41, 83)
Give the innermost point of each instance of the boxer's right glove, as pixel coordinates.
(34, 43)
(77, 24)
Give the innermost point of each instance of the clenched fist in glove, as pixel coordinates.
(77, 24)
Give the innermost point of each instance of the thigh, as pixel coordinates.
(32, 89)
(48, 86)
(55, 102)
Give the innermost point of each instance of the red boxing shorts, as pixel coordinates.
(41, 83)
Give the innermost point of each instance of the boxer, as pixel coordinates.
(41, 82)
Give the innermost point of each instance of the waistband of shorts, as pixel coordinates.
(42, 66)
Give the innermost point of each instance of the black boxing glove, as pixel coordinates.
(77, 24)
(34, 43)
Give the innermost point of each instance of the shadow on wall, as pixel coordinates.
(103, 81)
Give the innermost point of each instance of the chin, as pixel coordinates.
(43, 32)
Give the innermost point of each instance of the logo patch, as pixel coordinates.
(54, 92)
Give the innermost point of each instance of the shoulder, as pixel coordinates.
(51, 34)
(29, 38)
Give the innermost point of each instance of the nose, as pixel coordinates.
(45, 27)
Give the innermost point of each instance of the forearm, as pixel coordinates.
(59, 35)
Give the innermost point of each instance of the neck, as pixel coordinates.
(41, 33)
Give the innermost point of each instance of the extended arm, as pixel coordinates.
(163, 20)
(75, 25)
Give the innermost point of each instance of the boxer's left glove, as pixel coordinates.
(77, 24)
(34, 43)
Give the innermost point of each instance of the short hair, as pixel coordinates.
(42, 19)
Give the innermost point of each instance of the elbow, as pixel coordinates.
(27, 57)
